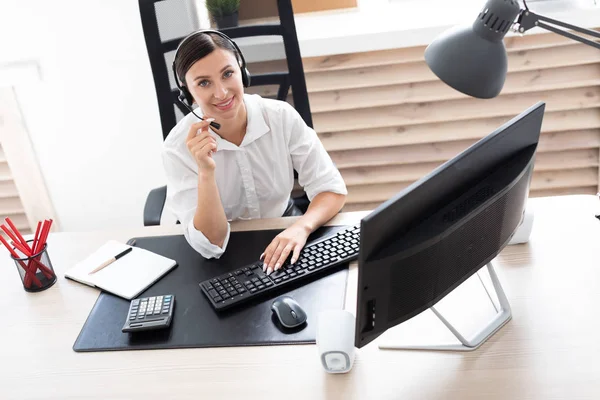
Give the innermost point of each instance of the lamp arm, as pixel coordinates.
(528, 20)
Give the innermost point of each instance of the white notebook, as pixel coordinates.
(126, 277)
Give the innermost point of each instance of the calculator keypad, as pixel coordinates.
(150, 307)
(149, 313)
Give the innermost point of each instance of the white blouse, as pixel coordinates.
(255, 180)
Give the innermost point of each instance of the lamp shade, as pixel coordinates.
(472, 59)
(468, 63)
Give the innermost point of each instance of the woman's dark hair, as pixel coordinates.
(197, 47)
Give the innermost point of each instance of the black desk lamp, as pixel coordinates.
(472, 59)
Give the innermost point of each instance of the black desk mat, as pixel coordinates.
(195, 323)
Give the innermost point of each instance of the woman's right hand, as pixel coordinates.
(201, 145)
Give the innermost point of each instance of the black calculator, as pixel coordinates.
(148, 313)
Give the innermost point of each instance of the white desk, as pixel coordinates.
(549, 350)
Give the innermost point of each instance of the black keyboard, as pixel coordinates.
(247, 283)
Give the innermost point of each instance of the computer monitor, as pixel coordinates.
(429, 238)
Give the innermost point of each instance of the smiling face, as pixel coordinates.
(215, 82)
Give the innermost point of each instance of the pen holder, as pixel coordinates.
(36, 271)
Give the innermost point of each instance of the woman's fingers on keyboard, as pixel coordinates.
(284, 255)
(274, 261)
(297, 250)
(270, 254)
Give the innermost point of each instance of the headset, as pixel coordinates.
(185, 97)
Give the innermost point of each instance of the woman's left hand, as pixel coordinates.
(291, 240)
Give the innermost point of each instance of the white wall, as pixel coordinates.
(93, 117)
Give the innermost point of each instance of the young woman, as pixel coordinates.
(244, 169)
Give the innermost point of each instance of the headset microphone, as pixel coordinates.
(214, 124)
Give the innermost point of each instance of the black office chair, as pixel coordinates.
(171, 111)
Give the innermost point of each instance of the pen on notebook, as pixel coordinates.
(108, 262)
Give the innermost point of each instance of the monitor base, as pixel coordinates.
(502, 317)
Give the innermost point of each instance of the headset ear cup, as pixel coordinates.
(245, 77)
(187, 95)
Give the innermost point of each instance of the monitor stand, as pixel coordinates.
(502, 317)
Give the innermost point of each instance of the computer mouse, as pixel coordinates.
(288, 312)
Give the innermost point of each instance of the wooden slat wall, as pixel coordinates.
(386, 120)
(10, 202)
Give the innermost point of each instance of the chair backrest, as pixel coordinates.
(162, 40)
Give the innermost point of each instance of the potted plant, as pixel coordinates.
(224, 12)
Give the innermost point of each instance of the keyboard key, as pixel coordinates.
(213, 293)
(278, 274)
(218, 298)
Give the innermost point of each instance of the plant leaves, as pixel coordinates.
(219, 8)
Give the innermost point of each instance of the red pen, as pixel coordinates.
(36, 237)
(16, 231)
